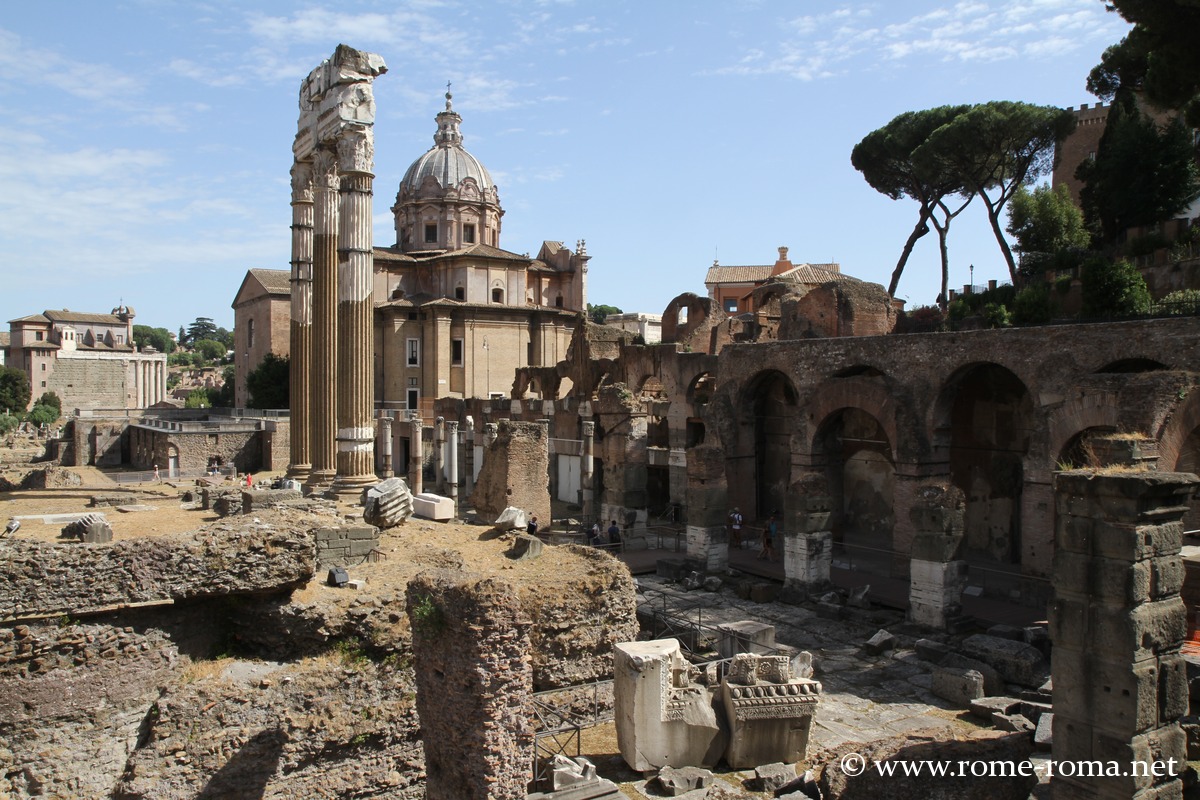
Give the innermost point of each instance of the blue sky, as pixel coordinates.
(145, 144)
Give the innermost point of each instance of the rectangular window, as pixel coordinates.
(414, 399)
(431, 233)
(43, 384)
(456, 352)
(730, 305)
(414, 352)
(39, 336)
(469, 234)
(43, 367)
(250, 333)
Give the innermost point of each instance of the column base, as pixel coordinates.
(319, 481)
(299, 472)
(349, 488)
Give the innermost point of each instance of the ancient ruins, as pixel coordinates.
(982, 550)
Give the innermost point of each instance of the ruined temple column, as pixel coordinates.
(469, 457)
(1117, 623)
(937, 573)
(587, 498)
(416, 454)
(355, 315)
(439, 455)
(385, 446)
(452, 461)
(300, 342)
(323, 370)
(707, 538)
(807, 538)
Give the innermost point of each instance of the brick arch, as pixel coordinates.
(1093, 410)
(864, 394)
(1177, 430)
(938, 422)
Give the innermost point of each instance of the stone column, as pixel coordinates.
(1117, 623)
(937, 573)
(385, 446)
(587, 498)
(300, 334)
(807, 539)
(474, 684)
(469, 457)
(439, 455)
(707, 538)
(355, 315)
(323, 369)
(452, 462)
(416, 454)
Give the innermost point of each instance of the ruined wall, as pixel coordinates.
(39, 579)
(515, 472)
(917, 388)
(88, 382)
(474, 680)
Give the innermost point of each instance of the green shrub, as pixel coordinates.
(42, 414)
(1183, 301)
(1113, 289)
(996, 315)
(1032, 305)
(8, 422)
(51, 399)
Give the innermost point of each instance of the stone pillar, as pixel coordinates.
(439, 455)
(300, 334)
(452, 462)
(337, 111)
(937, 574)
(474, 685)
(385, 446)
(469, 457)
(323, 369)
(416, 454)
(707, 537)
(587, 469)
(355, 316)
(807, 539)
(1117, 623)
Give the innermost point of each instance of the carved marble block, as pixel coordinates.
(663, 716)
(769, 710)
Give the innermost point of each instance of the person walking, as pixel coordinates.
(770, 536)
(614, 533)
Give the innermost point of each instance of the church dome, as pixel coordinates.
(447, 162)
(447, 199)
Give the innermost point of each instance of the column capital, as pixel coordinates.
(325, 171)
(302, 182)
(356, 151)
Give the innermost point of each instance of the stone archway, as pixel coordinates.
(987, 416)
(853, 449)
(772, 401)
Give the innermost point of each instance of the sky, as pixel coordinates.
(145, 145)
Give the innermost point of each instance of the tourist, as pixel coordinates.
(735, 528)
(532, 527)
(594, 534)
(249, 481)
(614, 533)
(770, 534)
(156, 478)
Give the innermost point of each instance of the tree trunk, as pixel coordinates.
(918, 231)
(994, 218)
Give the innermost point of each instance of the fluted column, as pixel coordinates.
(323, 372)
(587, 496)
(355, 385)
(416, 454)
(300, 346)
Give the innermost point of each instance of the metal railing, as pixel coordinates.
(559, 729)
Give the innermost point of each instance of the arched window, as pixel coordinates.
(460, 293)
(497, 295)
